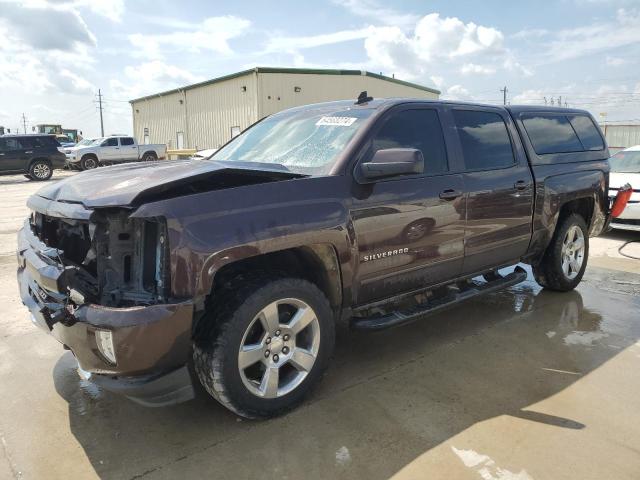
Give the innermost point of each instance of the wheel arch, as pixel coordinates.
(36, 159)
(89, 155)
(316, 263)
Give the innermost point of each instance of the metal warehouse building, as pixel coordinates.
(208, 114)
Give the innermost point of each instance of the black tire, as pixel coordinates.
(149, 157)
(89, 162)
(219, 340)
(40, 170)
(549, 273)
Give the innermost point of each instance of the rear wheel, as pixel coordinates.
(149, 157)
(89, 163)
(269, 341)
(565, 260)
(40, 170)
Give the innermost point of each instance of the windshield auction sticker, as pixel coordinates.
(337, 121)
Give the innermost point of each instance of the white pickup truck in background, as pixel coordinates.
(113, 149)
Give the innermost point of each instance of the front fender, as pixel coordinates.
(212, 229)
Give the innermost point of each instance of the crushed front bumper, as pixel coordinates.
(152, 343)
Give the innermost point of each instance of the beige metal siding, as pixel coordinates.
(213, 109)
(164, 116)
(620, 137)
(209, 111)
(277, 89)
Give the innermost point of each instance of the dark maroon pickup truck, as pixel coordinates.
(233, 270)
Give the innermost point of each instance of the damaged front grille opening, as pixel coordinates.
(115, 261)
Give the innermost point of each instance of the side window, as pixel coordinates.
(12, 144)
(587, 132)
(111, 142)
(484, 138)
(419, 129)
(551, 134)
(126, 141)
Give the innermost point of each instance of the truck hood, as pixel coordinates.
(130, 184)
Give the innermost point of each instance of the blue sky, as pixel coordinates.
(55, 54)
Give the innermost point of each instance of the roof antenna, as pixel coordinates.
(363, 98)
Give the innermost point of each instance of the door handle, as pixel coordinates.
(520, 185)
(30, 151)
(450, 194)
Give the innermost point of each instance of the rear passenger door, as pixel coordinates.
(409, 230)
(499, 187)
(128, 149)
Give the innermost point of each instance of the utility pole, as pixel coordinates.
(504, 95)
(24, 123)
(560, 101)
(100, 107)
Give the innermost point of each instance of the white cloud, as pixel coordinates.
(595, 38)
(44, 27)
(151, 77)
(212, 34)
(293, 44)
(111, 9)
(435, 39)
(457, 92)
(531, 33)
(473, 69)
(34, 54)
(372, 10)
(616, 61)
(529, 97)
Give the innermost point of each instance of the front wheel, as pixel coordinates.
(565, 260)
(40, 170)
(89, 163)
(268, 343)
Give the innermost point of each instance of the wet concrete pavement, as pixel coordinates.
(520, 384)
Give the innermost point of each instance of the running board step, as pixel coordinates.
(402, 317)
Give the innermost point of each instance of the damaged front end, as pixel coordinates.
(99, 282)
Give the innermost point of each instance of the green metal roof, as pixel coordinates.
(314, 71)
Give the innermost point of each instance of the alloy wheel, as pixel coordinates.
(573, 248)
(41, 171)
(279, 348)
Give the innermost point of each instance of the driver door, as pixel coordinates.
(409, 229)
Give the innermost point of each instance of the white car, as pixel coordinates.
(114, 149)
(85, 142)
(201, 154)
(625, 168)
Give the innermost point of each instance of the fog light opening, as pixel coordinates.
(104, 340)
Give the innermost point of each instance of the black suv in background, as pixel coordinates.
(34, 155)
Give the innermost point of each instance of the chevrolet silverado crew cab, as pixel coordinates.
(233, 270)
(111, 150)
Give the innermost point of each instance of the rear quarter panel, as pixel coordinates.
(559, 184)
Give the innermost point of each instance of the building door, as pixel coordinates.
(180, 140)
(409, 230)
